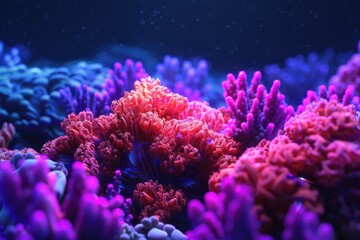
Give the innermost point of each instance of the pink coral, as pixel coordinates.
(156, 199)
(322, 143)
(317, 151)
(214, 118)
(275, 188)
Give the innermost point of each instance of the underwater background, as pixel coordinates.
(180, 119)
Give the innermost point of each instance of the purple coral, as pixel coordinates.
(301, 73)
(225, 215)
(329, 94)
(301, 224)
(348, 74)
(257, 114)
(121, 78)
(189, 80)
(30, 207)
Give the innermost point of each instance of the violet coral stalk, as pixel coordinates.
(225, 215)
(301, 224)
(330, 93)
(257, 114)
(121, 78)
(30, 207)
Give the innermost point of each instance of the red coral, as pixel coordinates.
(110, 152)
(184, 142)
(179, 136)
(150, 96)
(214, 118)
(78, 127)
(156, 199)
(87, 138)
(85, 153)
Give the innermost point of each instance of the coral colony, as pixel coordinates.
(88, 152)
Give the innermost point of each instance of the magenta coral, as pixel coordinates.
(225, 215)
(316, 153)
(330, 93)
(257, 114)
(29, 194)
(304, 225)
(275, 188)
(322, 143)
(121, 78)
(156, 199)
(215, 119)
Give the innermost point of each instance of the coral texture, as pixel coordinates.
(317, 152)
(257, 114)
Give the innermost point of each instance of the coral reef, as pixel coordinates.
(123, 155)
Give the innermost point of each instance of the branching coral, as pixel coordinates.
(156, 199)
(188, 80)
(315, 154)
(330, 93)
(257, 114)
(122, 79)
